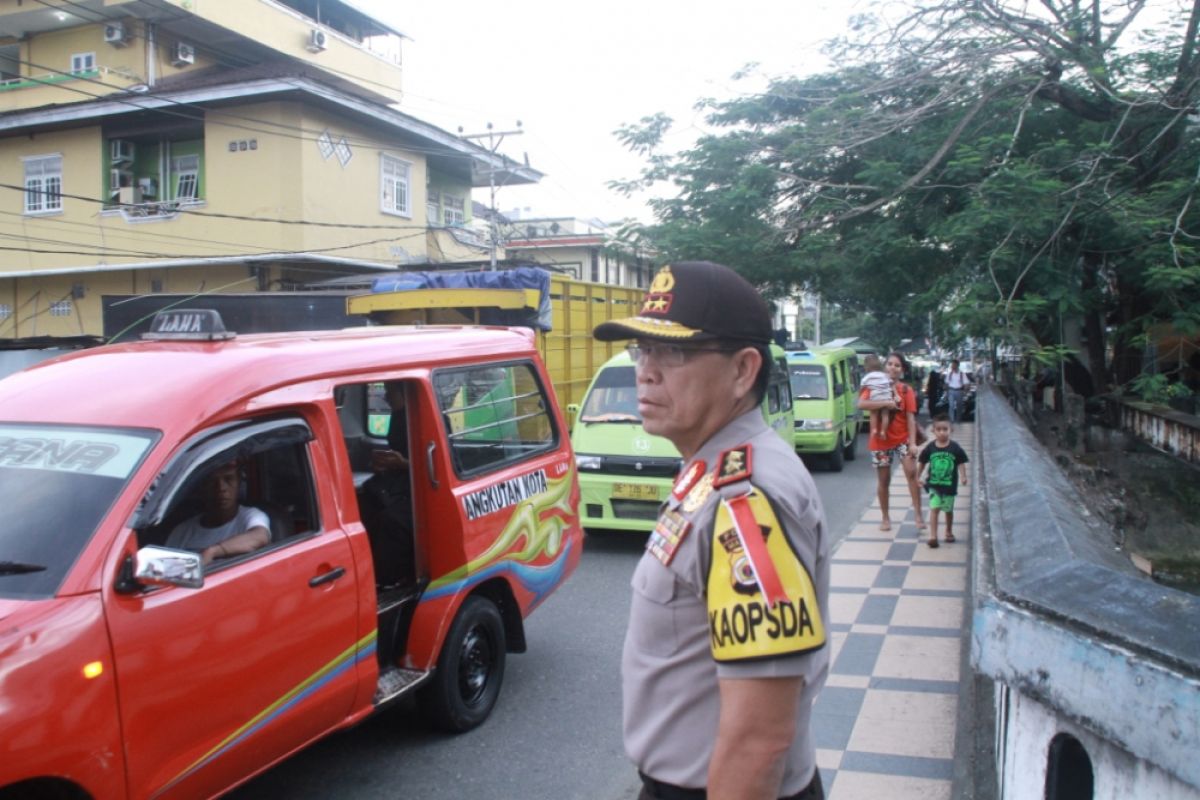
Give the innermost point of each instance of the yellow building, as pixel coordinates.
(213, 145)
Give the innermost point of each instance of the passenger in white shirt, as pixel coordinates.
(224, 528)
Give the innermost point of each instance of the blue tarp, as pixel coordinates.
(516, 278)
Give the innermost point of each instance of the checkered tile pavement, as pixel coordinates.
(885, 721)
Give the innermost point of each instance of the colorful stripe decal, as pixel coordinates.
(363, 648)
(540, 581)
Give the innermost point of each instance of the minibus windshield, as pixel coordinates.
(57, 483)
(613, 397)
(809, 382)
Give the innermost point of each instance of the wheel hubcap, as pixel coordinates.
(475, 665)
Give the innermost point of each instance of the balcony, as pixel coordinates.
(62, 87)
(147, 212)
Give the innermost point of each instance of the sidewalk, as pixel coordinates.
(885, 722)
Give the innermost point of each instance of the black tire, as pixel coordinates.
(470, 669)
(850, 451)
(836, 459)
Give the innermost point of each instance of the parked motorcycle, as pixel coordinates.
(966, 413)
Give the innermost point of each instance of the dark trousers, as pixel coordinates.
(657, 790)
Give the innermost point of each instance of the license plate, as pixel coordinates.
(635, 491)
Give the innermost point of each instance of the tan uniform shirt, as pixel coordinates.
(669, 670)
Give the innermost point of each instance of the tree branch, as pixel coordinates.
(946, 146)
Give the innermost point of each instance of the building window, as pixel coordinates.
(343, 152)
(454, 210)
(325, 145)
(5, 311)
(433, 207)
(187, 177)
(43, 184)
(83, 62)
(60, 308)
(394, 183)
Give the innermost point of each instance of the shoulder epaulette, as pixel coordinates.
(733, 465)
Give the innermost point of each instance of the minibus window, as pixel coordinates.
(494, 415)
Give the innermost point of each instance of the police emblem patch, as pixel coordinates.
(761, 599)
(658, 298)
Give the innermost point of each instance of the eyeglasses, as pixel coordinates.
(669, 355)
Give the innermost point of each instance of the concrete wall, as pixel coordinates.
(1080, 640)
(1117, 774)
(46, 56)
(287, 32)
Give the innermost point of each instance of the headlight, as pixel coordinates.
(818, 424)
(587, 462)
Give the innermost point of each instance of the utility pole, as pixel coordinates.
(817, 322)
(495, 138)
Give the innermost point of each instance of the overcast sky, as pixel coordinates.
(573, 72)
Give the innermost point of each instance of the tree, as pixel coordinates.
(1023, 170)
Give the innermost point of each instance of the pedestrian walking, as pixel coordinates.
(943, 470)
(726, 648)
(933, 390)
(956, 386)
(899, 444)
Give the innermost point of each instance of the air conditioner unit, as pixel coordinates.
(316, 40)
(121, 150)
(183, 54)
(116, 35)
(119, 180)
(129, 195)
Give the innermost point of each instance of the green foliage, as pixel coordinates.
(1050, 355)
(1015, 176)
(1157, 388)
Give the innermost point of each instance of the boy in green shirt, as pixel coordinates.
(943, 468)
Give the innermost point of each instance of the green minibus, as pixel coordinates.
(624, 472)
(825, 389)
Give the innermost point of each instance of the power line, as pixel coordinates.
(136, 233)
(241, 217)
(104, 251)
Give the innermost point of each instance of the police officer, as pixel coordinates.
(726, 647)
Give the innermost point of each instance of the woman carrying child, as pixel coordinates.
(879, 389)
(900, 441)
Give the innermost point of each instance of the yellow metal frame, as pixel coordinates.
(571, 354)
(442, 298)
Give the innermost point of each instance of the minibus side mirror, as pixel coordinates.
(166, 566)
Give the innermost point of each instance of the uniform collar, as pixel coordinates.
(738, 431)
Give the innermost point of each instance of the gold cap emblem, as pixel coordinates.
(663, 281)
